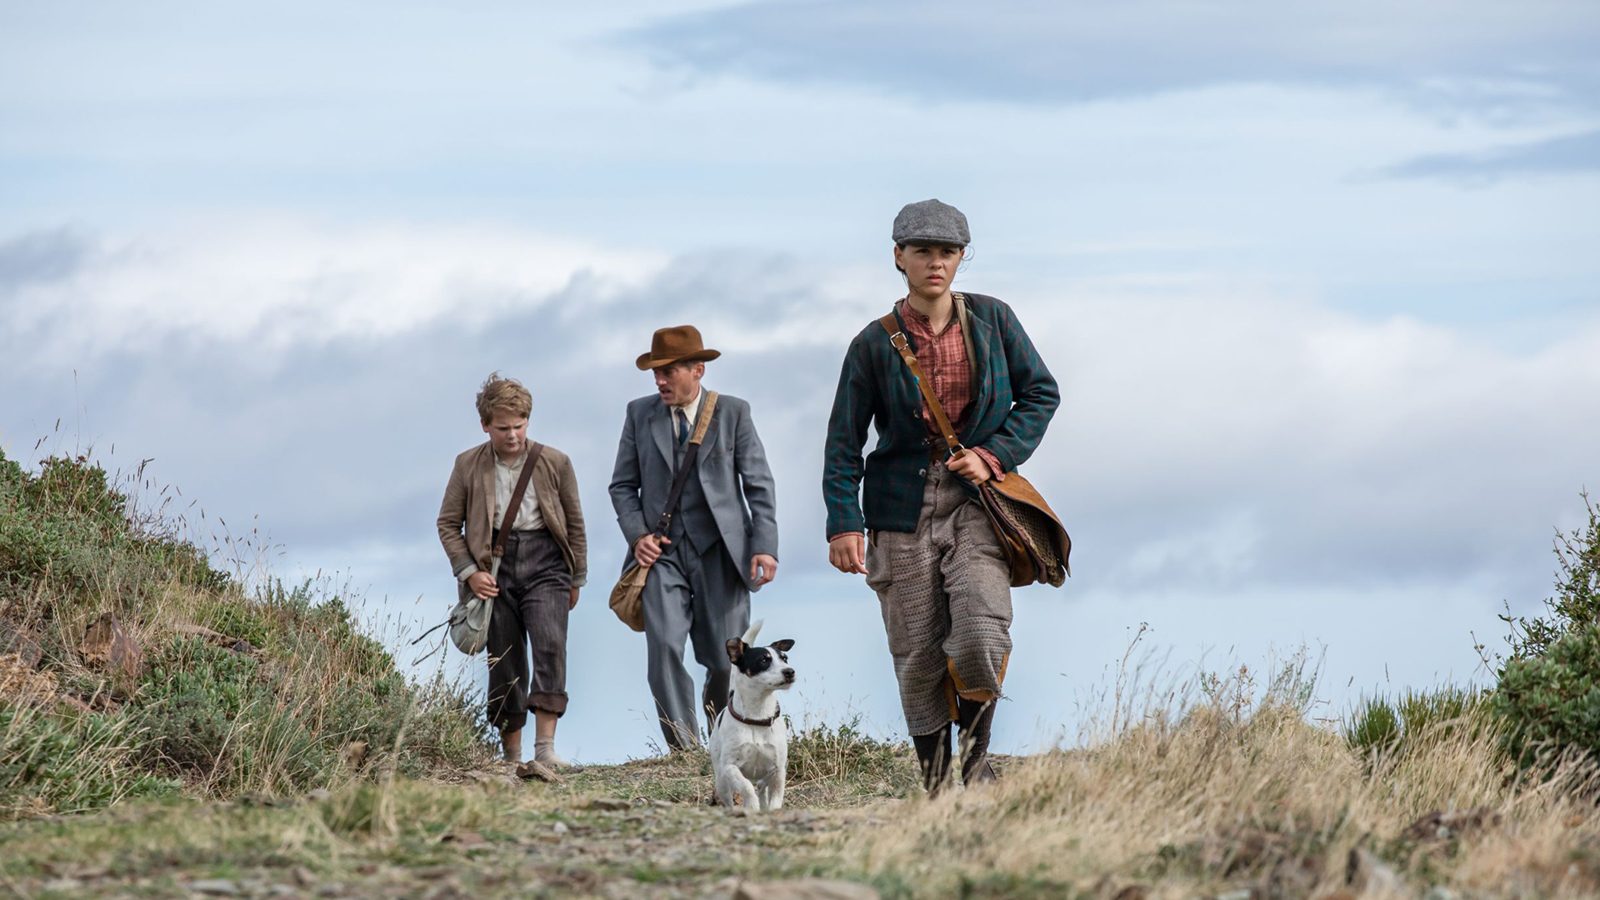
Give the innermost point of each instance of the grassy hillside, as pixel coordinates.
(131, 667)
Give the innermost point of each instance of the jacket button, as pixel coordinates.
(922, 473)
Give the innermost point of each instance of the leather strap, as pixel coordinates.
(517, 494)
(701, 425)
(760, 723)
(902, 344)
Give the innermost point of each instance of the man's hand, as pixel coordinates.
(573, 602)
(848, 553)
(970, 466)
(648, 549)
(483, 585)
(760, 562)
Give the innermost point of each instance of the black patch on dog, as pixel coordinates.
(754, 661)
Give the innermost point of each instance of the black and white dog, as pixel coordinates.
(750, 742)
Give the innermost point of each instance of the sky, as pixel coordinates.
(1318, 282)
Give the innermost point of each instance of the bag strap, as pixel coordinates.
(898, 340)
(517, 494)
(702, 424)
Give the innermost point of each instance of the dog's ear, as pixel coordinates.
(735, 650)
(783, 646)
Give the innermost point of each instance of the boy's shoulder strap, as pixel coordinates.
(898, 340)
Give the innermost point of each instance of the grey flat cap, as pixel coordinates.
(931, 222)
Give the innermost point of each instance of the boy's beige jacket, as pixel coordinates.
(465, 516)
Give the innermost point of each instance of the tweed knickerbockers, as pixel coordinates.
(530, 618)
(945, 590)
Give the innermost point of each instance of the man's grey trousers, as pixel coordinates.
(698, 596)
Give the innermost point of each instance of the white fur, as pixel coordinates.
(750, 761)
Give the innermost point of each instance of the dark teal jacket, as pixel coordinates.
(1014, 396)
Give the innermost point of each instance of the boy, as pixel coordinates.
(538, 578)
(934, 562)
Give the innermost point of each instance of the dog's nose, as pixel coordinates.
(788, 674)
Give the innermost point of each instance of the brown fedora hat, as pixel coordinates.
(680, 343)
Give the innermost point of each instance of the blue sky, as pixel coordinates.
(1318, 282)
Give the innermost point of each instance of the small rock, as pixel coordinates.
(63, 886)
(1442, 826)
(1440, 892)
(803, 889)
(282, 890)
(1368, 874)
(1238, 894)
(216, 887)
(330, 890)
(304, 876)
(560, 828)
(319, 795)
(611, 804)
(1132, 892)
(464, 838)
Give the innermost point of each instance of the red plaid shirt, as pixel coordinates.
(944, 361)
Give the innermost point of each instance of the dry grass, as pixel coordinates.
(1229, 794)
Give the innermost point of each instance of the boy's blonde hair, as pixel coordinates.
(505, 394)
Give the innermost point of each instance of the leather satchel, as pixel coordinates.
(1035, 543)
(469, 619)
(627, 597)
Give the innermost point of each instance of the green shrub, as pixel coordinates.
(1551, 702)
(1548, 693)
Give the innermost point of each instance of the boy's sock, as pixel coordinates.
(544, 750)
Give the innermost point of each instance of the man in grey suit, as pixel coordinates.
(723, 540)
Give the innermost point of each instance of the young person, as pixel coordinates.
(538, 578)
(723, 540)
(933, 560)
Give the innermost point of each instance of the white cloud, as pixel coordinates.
(277, 284)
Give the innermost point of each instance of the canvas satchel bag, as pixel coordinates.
(1035, 543)
(627, 597)
(469, 620)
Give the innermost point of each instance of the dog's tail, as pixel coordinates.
(751, 632)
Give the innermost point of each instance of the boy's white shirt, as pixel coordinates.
(528, 516)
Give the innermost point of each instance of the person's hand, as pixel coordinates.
(763, 568)
(572, 603)
(970, 466)
(482, 585)
(848, 553)
(648, 549)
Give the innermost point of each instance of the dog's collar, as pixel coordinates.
(778, 711)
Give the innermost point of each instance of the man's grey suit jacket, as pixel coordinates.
(732, 471)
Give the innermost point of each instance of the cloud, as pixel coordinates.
(1481, 52)
(1572, 153)
(273, 284)
(40, 257)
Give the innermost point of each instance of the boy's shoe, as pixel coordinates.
(533, 770)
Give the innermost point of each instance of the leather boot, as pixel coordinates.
(933, 756)
(511, 743)
(975, 719)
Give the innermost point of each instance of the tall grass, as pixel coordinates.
(1235, 789)
(208, 686)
